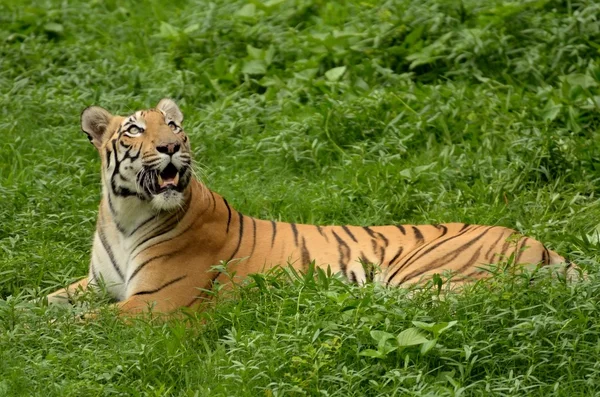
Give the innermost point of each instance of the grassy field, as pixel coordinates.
(351, 111)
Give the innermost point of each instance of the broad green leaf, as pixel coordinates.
(272, 3)
(427, 346)
(247, 11)
(411, 337)
(551, 110)
(54, 27)
(335, 74)
(381, 336)
(255, 66)
(167, 31)
(579, 79)
(269, 54)
(255, 53)
(306, 74)
(221, 65)
(192, 28)
(424, 326)
(440, 328)
(371, 353)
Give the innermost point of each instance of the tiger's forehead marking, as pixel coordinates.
(136, 119)
(139, 118)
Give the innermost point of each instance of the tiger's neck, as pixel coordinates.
(130, 213)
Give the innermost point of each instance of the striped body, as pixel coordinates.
(160, 231)
(171, 256)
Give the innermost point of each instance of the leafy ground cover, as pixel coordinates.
(330, 112)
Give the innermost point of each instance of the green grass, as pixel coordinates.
(330, 112)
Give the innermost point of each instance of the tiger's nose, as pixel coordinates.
(170, 148)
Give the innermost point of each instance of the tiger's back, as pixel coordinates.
(402, 254)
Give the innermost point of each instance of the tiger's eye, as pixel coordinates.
(134, 131)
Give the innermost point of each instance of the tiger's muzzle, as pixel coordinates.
(155, 181)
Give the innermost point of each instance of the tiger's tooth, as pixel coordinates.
(176, 179)
(160, 180)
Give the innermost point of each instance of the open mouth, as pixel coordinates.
(168, 178)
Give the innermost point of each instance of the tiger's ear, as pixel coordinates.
(170, 109)
(94, 122)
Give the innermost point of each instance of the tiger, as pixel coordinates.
(160, 232)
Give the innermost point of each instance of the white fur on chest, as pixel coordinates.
(115, 247)
(110, 265)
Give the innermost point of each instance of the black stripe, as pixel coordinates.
(114, 215)
(423, 251)
(110, 253)
(344, 251)
(213, 200)
(207, 286)
(152, 163)
(349, 233)
(305, 253)
(107, 158)
(119, 191)
(111, 207)
(353, 279)
(166, 227)
(519, 252)
(295, 231)
(228, 213)
(487, 254)
(376, 247)
(547, 254)
(545, 257)
(165, 285)
(363, 258)
(469, 263)
(95, 276)
(396, 256)
(381, 249)
(401, 228)
(465, 225)
(369, 231)
(274, 224)
(168, 239)
(376, 235)
(253, 236)
(241, 235)
(506, 245)
(444, 260)
(569, 264)
(418, 235)
(444, 230)
(141, 225)
(369, 268)
(320, 229)
(143, 264)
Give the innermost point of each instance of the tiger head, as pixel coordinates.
(144, 155)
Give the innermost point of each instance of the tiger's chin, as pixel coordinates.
(167, 200)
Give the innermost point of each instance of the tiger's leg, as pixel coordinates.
(64, 295)
(162, 300)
